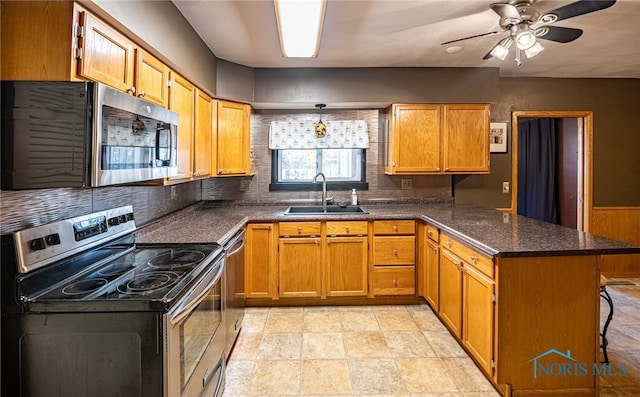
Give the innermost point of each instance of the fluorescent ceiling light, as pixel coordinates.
(300, 26)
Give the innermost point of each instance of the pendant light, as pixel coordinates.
(320, 127)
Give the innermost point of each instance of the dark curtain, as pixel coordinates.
(538, 169)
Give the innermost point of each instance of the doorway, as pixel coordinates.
(574, 165)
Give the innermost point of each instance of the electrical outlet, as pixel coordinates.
(505, 187)
(407, 183)
(244, 185)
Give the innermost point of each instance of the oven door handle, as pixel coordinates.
(183, 310)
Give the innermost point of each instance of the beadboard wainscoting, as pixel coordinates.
(618, 223)
(381, 187)
(28, 208)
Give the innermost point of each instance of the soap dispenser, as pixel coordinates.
(354, 197)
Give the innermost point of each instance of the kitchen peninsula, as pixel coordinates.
(518, 294)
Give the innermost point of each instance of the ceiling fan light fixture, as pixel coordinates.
(501, 50)
(535, 50)
(300, 26)
(525, 39)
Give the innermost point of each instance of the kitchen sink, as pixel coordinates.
(328, 210)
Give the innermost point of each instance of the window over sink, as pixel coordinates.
(294, 169)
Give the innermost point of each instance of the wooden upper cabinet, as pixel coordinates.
(104, 54)
(232, 141)
(414, 139)
(466, 138)
(202, 135)
(151, 78)
(438, 139)
(182, 101)
(38, 40)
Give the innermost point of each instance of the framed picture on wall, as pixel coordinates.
(498, 137)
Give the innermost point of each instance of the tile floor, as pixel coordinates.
(388, 351)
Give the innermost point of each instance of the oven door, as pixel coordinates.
(195, 339)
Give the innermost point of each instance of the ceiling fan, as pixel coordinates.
(526, 24)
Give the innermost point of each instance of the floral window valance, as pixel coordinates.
(351, 134)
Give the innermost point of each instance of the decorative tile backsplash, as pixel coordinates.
(28, 208)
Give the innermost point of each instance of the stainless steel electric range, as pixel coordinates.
(88, 312)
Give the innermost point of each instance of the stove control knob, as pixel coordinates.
(122, 218)
(114, 221)
(37, 244)
(130, 216)
(52, 239)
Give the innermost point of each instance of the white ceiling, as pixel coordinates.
(394, 33)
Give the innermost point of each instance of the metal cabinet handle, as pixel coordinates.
(448, 243)
(132, 90)
(299, 231)
(347, 229)
(395, 252)
(142, 94)
(474, 258)
(395, 228)
(394, 282)
(429, 232)
(435, 249)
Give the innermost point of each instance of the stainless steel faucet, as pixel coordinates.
(324, 187)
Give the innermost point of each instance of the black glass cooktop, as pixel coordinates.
(138, 272)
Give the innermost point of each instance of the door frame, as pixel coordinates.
(585, 159)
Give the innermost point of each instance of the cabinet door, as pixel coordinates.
(466, 138)
(432, 274)
(299, 267)
(233, 138)
(451, 292)
(202, 135)
(182, 101)
(346, 266)
(477, 333)
(152, 78)
(260, 275)
(414, 139)
(107, 56)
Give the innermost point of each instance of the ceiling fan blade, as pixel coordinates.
(470, 37)
(558, 33)
(578, 8)
(489, 56)
(506, 10)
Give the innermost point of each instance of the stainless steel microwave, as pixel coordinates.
(80, 134)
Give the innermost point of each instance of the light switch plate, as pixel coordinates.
(505, 187)
(407, 183)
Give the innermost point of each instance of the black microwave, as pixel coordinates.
(80, 134)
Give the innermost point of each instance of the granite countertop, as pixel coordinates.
(494, 233)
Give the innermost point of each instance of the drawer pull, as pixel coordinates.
(435, 249)
(347, 229)
(448, 243)
(395, 252)
(395, 282)
(299, 231)
(395, 228)
(429, 232)
(474, 258)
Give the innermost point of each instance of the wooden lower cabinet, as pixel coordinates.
(260, 275)
(451, 292)
(346, 266)
(394, 280)
(432, 274)
(300, 267)
(477, 316)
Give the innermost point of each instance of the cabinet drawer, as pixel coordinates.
(294, 229)
(394, 280)
(394, 227)
(433, 233)
(347, 228)
(469, 255)
(394, 250)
